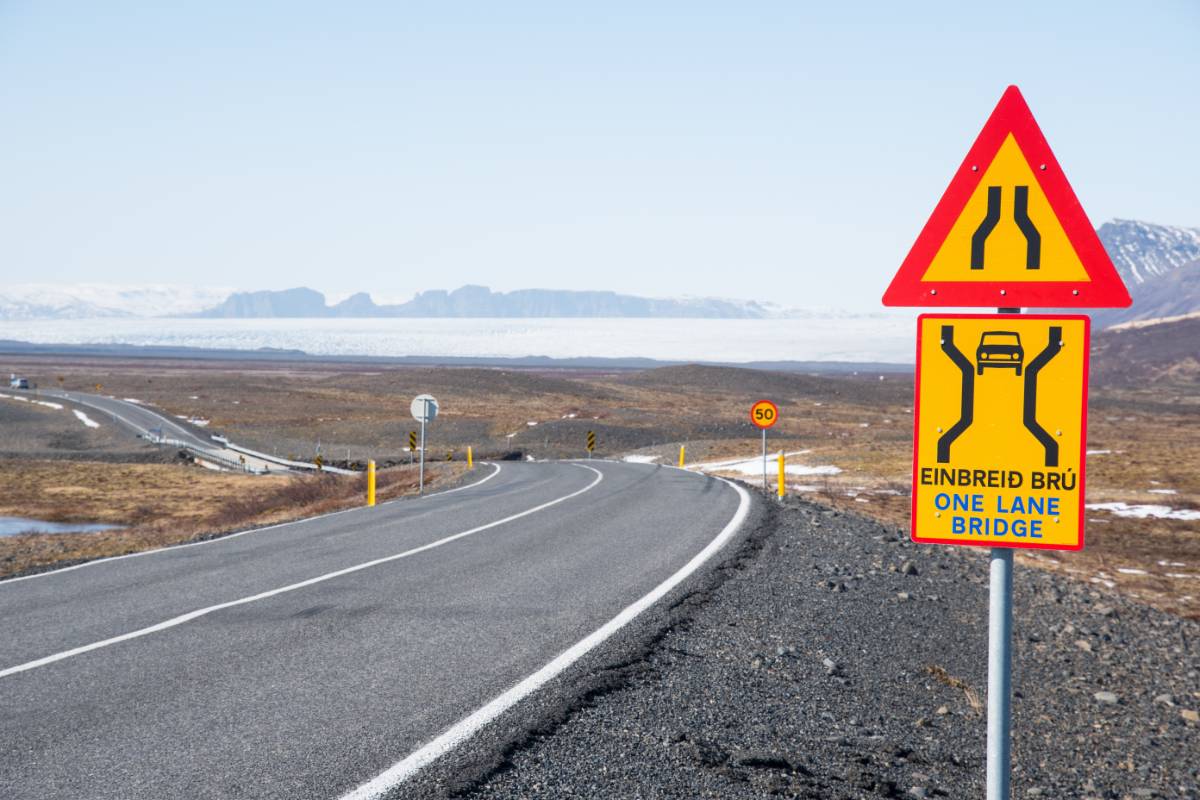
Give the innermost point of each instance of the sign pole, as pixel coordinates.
(421, 481)
(764, 458)
(999, 697)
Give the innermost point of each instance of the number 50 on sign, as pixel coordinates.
(764, 414)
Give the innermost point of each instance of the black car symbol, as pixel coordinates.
(999, 349)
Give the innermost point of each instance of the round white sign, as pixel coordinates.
(424, 408)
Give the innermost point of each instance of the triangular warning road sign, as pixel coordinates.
(1009, 231)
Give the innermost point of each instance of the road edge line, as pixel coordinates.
(468, 726)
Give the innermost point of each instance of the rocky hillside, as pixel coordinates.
(1137, 354)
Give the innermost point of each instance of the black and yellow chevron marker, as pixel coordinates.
(412, 440)
(591, 441)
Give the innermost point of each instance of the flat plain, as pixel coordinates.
(848, 440)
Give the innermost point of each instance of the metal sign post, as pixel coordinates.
(1032, 495)
(424, 409)
(764, 457)
(999, 696)
(421, 480)
(999, 692)
(764, 414)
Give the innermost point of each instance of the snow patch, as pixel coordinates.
(1146, 511)
(754, 466)
(637, 459)
(85, 419)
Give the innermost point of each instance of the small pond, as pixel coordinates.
(11, 526)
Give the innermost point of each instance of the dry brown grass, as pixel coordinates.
(970, 693)
(165, 504)
(862, 425)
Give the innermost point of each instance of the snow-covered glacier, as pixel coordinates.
(882, 337)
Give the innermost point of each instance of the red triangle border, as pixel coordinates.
(1106, 289)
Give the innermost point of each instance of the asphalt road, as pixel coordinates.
(138, 418)
(243, 668)
(142, 421)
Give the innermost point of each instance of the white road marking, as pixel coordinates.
(467, 727)
(460, 488)
(191, 615)
(227, 537)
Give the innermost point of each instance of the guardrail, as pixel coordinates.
(228, 445)
(207, 455)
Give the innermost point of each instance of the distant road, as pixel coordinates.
(138, 418)
(304, 660)
(143, 421)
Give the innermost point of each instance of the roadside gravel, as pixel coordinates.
(837, 660)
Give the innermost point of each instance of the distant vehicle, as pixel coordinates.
(999, 349)
(17, 383)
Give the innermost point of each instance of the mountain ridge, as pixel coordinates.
(1160, 264)
(480, 301)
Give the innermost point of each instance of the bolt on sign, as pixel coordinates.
(1000, 424)
(1009, 230)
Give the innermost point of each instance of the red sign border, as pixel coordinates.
(1087, 335)
(1104, 290)
(758, 403)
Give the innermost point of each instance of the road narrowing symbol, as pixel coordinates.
(1009, 231)
(1000, 430)
(764, 414)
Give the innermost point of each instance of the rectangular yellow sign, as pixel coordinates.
(1000, 428)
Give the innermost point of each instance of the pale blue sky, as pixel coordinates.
(778, 151)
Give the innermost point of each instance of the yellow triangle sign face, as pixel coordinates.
(1007, 231)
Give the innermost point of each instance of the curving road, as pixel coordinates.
(308, 659)
(146, 422)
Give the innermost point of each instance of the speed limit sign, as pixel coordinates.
(764, 414)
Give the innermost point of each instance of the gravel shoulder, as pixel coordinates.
(828, 657)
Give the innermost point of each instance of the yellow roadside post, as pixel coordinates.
(682, 451)
(470, 458)
(371, 482)
(781, 483)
